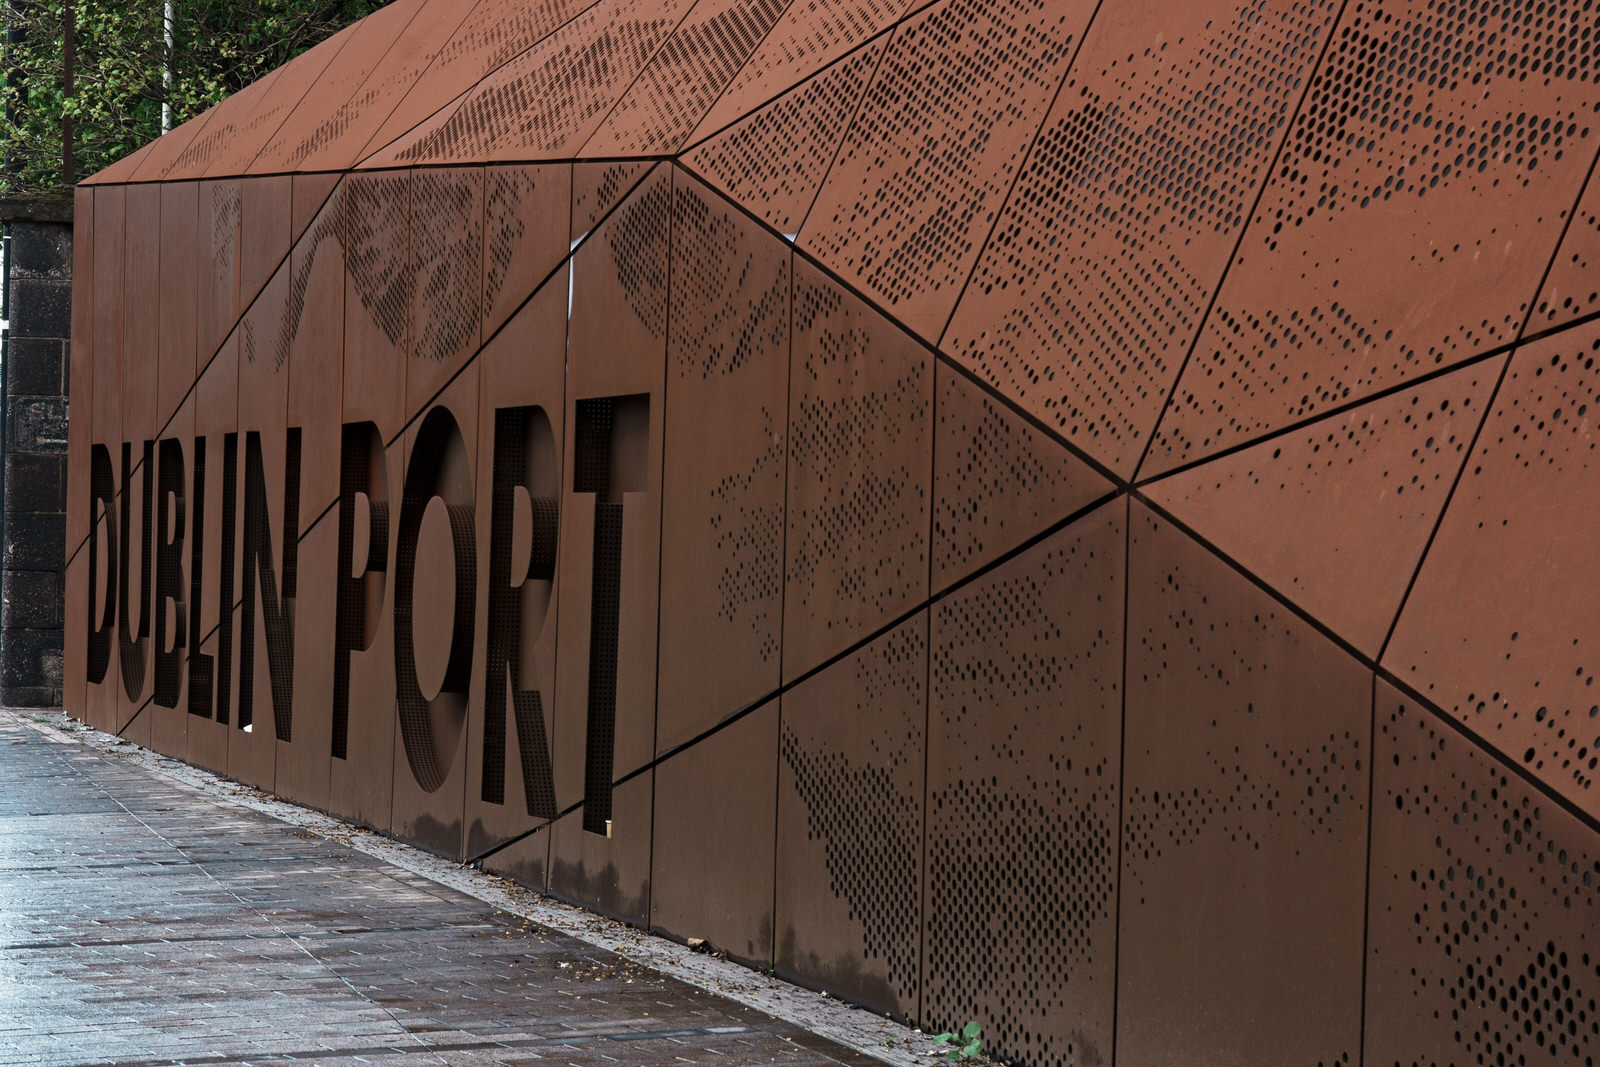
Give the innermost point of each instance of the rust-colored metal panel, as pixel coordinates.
(610, 542)
(1103, 263)
(122, 170)
(1247, 751)
(712, 870)
(171, 588)
(550, 99)
(610, 875)
(437, 574)
(850, 824)
(214, 516)
(377, 299)
(217, 300)
(511, 719)
(337, 141)
(141, 419)
(525, 228)
(773, 161)
(269, 457)
(228, 147)
(860, 468)
(1484, 936)
(159, 161)
(110, 240)
(682, 81)
(810, 37)
(997, 480)
(723, 513)
(324, 107)
(311, 193)
(265, 205)
(141, 316)
(1448, 172)
(599, 187)
(316, 357)
(1024, 763)
(1336, 516)
(493, 33)
(1571, 290)
(361, 778)
(446, 267)
(79, 609)
(178, 285)
(928, 161)
(227, 121)
(1499, 628)
(302, 763)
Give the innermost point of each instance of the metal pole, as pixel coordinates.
(166, 69)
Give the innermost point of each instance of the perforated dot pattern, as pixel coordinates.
(550, 98)
(1501, 630)
(1104, 262)
(685, 78)
(930, 157)
(637, 241)
(859, 472)
(378, 265)
(1572, 289)
(773, 161)
(997, 480)
(1024, 736)
(852, 750)
(446, 250)
(1466, 126)
(1485, 908)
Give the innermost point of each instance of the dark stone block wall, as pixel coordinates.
(35, 464)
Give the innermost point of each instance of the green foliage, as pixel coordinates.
(966, 1045)
(120, 56)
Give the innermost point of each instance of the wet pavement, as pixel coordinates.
(143, 921)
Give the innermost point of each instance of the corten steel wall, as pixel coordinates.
(1073, 514)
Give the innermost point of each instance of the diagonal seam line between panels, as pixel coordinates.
(243, 311)
(720, 92)
(1244, 228)
(865, 42)
(1488, 408)
(1022, 168)
(376, 66)
(368, 150)
(1591, 821)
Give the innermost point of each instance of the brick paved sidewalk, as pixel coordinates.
(143, 921)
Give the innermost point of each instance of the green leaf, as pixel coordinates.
(970, 1031)
(944, 1039)
(972, 1049)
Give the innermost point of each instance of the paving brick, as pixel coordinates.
(149, 925)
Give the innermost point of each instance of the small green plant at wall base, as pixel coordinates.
(966, 1045)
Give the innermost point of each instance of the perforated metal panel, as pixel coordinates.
(599, 187)
(525, 227)
(550, 99)
(1102, 265)
(1468, 128)
(1570, 289)
(447, 242)
(942, 131)
(774, 160)
(1336, 515)
(997, 480)
(1484, 913)
(685, 78)
(850, 823)
(1244, 821)
(726, 434)
(1500, 629)
(493, 33)
(1024, 764)
(809, 37)
(860, 469)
